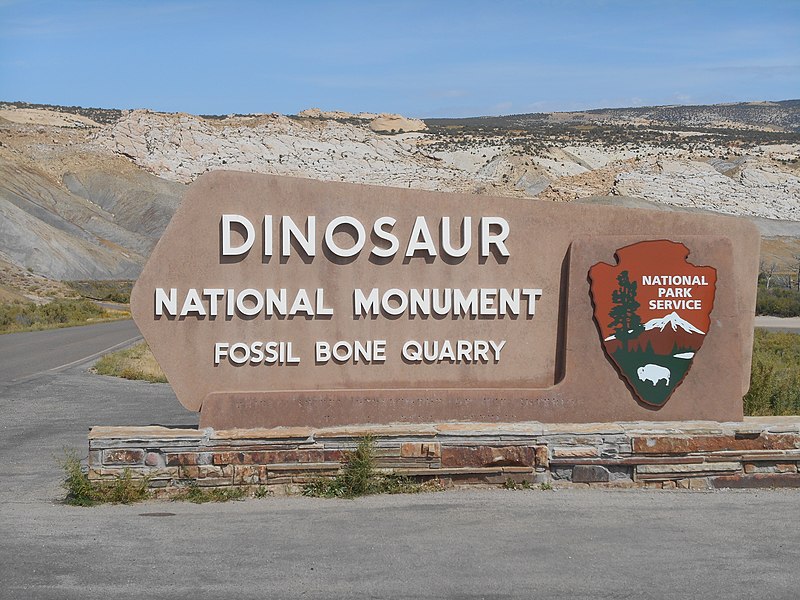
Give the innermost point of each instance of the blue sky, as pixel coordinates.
(421, 59)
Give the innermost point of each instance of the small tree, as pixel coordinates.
(625, 321)
(767, 272)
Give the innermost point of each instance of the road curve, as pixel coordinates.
(25, 355)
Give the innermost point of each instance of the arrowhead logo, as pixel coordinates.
(653, 312)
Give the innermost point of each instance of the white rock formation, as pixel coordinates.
(757, 189)
(470, 160)
(179, 147)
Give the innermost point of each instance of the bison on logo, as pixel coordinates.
(653, 312)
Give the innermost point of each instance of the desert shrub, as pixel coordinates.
(18, 316)
(125, 489)
(112, 290)
(775, 375)
(778, 302)
(358, 477)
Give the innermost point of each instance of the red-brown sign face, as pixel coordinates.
(653, 311)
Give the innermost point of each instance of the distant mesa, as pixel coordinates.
(396, 124)
(379, 123)
(317, 113)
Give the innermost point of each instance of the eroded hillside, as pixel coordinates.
(86, 193)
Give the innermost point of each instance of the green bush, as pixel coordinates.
(19, 316)
(778, 302)
(358, 477)
(125, 489)
(775, 375)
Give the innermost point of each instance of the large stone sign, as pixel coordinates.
(280, 301)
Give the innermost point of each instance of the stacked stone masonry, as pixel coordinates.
(759, 452)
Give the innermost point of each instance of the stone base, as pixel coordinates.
(758, 452)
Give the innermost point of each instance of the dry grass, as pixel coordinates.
(24, 286)
(27, 316)
(136, 362)
(111, 290)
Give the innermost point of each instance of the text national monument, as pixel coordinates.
(276, 301)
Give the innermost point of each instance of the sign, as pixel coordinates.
(653, 312)
(281, 301)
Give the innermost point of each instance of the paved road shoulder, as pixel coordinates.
(23, 355)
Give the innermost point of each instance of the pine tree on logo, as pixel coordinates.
(625, 322)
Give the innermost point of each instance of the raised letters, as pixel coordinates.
(492, 231)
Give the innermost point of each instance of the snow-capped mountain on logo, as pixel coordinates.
(672, 319)
(675, 321)
(664, 335)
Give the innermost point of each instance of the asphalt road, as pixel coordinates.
(456, 544)
(25, 354)
(788, 325)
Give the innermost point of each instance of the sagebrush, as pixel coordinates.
(359, 477)
(26, 316)
(775, 375)
(778, 302)
(81, 491)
